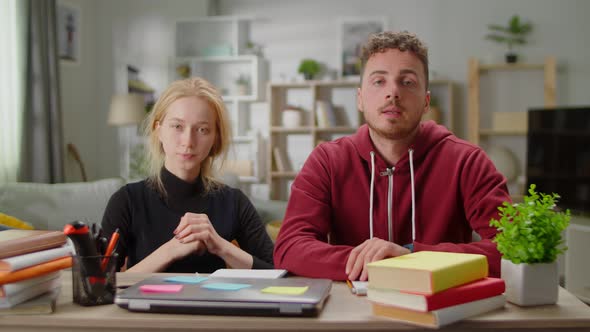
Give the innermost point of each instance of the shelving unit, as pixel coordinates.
(215, 48)
(444, 92)
(475, 130)
(297, 143)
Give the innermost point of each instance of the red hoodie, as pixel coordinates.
(457, 191)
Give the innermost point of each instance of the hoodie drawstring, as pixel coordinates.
(411, 152)
(371, 195)
(389, 173)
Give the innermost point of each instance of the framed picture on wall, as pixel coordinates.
(68, 32)
(353, 33)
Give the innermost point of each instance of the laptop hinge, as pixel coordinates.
(290, 308)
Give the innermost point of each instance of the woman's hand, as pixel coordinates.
(197, 228)
(177, 249)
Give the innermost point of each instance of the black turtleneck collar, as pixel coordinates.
(177, 188)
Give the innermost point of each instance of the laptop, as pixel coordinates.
(248, 301)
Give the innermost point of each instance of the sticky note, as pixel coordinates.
(160, 288)
(186, 279)
(281, 290)
(225, 286)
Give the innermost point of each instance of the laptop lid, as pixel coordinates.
(229, 296)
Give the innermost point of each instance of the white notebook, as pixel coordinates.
(248, 273)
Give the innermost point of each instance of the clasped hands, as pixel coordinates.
(369, 251)
(196, 234)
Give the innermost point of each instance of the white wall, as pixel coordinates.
(115, 33)
(78, 90)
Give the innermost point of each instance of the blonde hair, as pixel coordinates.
(403, 41)
(190, 87)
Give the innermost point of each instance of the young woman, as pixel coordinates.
(181, 219)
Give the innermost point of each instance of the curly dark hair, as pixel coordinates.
(403, 41)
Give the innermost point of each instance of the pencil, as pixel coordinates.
(110, 249)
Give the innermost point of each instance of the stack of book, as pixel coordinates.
(30, 269)
(433, 289)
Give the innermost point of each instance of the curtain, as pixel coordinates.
(12, 85)
(42, 153)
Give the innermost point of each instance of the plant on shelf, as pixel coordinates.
(243, 84)
(529, 240)
(513, 34)
(309, 68)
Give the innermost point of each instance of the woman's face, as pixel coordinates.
(187, 133)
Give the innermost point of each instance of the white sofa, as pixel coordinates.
(51, 206)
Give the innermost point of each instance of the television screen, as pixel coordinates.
(558, 155)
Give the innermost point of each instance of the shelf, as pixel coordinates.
(331, 104)
(512, 66)
(336, 130)
(218, 58)
(296, 130)
(474, 130)
(285, 174)
(500, 132)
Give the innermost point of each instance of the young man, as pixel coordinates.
(396, 186)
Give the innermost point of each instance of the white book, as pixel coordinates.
(248, 273)
(22, 261)
(9, 289)
(440, 317)
(42, 304)
(29, 293)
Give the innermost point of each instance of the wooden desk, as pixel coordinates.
(343, 312)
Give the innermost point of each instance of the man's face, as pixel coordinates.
(393, 94)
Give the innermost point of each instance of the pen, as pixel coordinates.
(349, 285)
(110, 248)
(91, 273)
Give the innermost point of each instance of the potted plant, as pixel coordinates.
(514, 33)
(529, 240)
(243, 84)
(309, 68)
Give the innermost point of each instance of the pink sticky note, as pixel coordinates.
(160, 288)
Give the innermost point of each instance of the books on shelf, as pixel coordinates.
(427, 272)
(18, 241)
(325, 116)
(473, 291)
(21, 261)
(440, 317)
(40, 305)
(30, 292)
(281, 160)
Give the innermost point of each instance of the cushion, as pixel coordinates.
(13, 222)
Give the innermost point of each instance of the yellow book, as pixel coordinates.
(427, 272)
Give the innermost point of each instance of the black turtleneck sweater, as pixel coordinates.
(146, 221)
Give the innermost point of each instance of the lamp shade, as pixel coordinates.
(128, 109)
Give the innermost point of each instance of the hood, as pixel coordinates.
(429, 135)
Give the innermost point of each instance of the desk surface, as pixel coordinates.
(343, 312)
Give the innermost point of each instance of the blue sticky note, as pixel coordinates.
(186, 279)
(225, 286)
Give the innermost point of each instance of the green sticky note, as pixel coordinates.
(281, 290)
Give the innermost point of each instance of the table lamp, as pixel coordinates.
(127, 110)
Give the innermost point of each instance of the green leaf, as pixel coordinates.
(530, 232)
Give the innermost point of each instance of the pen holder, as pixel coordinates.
(91, 284)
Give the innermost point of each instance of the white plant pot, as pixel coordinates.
(530, 284)
(291, 118)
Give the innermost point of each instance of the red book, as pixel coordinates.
(477, 290)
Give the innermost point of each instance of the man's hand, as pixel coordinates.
(369, 251)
